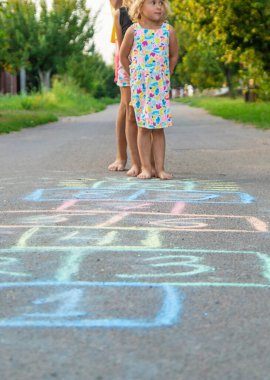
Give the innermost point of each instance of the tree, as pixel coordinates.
(92, 74)
(2, 37)
(235, 30)
(44, 41)
(64, 31)
(199, 63)
(18, 26)
(2, 33)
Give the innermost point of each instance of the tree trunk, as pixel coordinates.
(45, 79)
(228, 74)
(22, 81)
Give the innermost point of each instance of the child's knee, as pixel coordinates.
(131, 115)
(122, 105)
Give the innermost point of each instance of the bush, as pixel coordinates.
(93, 75)
(39, 101)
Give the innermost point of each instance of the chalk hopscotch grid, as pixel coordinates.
(189, 195)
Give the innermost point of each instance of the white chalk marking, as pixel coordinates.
(9, 261)
(258, 224)
(152, 240)
(70, 236)
(109, 238)
(70, 266)
(26, 236)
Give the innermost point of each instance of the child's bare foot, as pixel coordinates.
(164, 175)
(117, 166)
(133, 171)
(145, 174)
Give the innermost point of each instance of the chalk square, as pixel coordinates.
(90, 305)
(176, 266)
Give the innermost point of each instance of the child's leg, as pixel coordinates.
(132, 133)
(159, 153)
(121, 142)
(153, 169)
(145, 146)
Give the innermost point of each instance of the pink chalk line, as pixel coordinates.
(178, 208)
(67, 205)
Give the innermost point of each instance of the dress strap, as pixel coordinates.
(135, 26)
(166, 26)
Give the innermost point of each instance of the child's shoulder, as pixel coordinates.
(117, 13)
(133, 27)
(167, 25)
(172, 31)
(171, 28)
(130, 31)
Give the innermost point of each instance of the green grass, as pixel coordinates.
(257, 114)
(17, 112)
(18, 119)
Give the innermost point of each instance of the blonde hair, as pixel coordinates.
(135, 9)
(127, 3)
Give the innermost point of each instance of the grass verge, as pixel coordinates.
(257, 114)
(17, 112)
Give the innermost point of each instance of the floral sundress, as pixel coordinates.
(150, 77)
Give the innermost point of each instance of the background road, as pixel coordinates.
(108, 278)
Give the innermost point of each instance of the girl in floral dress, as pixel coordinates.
(149, 54)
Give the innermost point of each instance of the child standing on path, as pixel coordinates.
(121, 142)
(151, 46)
(124, 134)
(122, 23)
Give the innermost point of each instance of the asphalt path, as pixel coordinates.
(105, 277)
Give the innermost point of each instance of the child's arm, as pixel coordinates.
(173, 50)
(116, 4)
(126, 47)
(118, 28)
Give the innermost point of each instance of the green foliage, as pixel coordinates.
(201, 68)
(42, 42)
(65, 99)
(56, 40)
(10, 122)
(18, 27)
(91, 73)
(235, 33)
(199, 62)
(63, 31)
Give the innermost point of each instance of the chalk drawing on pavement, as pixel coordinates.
(101, 224)
(142, 195)
(133, 183)
(130, 220)
(176, 266)
(92, 305)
